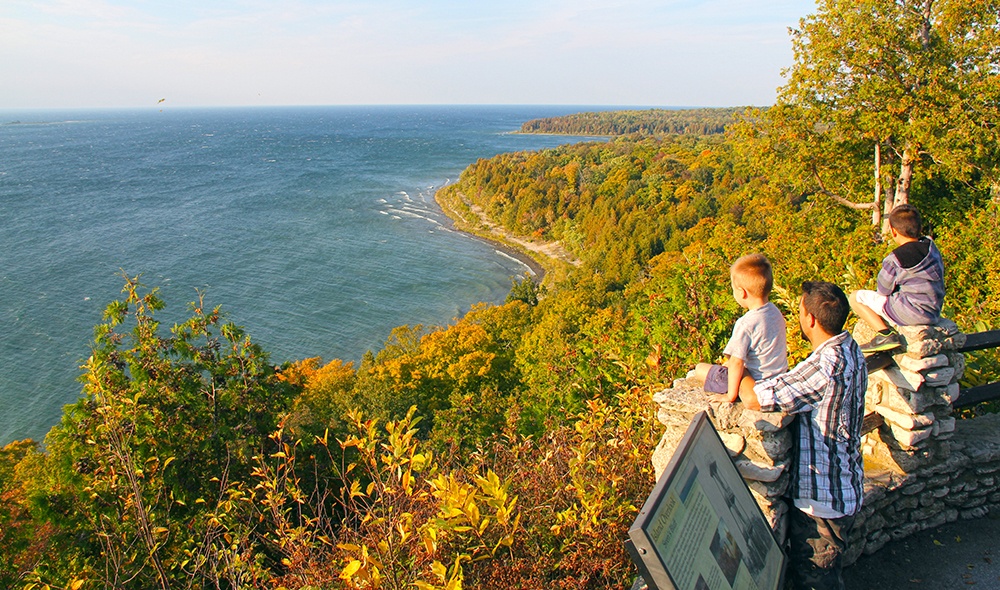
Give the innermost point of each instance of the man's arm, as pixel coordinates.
(791, 392)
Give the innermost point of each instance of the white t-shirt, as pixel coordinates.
(759, 340)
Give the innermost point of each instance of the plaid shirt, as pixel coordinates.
(828, 391)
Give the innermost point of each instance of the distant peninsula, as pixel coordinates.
(703, 121)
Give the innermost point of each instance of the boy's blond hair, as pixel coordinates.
(753, 273)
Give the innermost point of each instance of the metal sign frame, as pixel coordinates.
(700, 528)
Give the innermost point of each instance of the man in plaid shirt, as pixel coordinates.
(827, 391)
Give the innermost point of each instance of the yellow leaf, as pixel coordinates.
(351, 569)
(439, 569)
(939, 543)
(356, 489)
(76, 585)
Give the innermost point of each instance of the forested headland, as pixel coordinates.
(642, 122)
(511, 448)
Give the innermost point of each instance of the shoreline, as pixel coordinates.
(542, 259)
(535, 267)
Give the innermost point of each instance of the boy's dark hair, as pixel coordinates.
(827, 303)
(905, 219)
(753, 273)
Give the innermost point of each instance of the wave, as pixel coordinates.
(517, 260)
(411, 214)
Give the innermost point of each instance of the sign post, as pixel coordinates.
(701, 529)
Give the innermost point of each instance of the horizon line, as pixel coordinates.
(164, 107)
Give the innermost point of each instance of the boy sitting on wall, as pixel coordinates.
(757, 349)
(910, 284)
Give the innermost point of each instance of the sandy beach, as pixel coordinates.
(535, 254)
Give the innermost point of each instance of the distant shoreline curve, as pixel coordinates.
(533, 264)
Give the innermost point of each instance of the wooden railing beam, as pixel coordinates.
(981, 341)
(977, 395)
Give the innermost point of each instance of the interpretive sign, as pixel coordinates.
(701, 529)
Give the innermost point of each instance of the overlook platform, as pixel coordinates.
(955, 555)
(931, 513)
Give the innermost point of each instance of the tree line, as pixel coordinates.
(704, 121)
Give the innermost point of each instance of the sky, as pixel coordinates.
(133, 53)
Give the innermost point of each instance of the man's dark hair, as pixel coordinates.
(905, 219)
(827, 303)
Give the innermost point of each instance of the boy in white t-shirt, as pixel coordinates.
(757, 349)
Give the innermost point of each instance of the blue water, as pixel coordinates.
(314, 228)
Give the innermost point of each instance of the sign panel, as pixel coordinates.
(701, 529)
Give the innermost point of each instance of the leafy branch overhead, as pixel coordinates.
(885, 92)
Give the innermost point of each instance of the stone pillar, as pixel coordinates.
(914, 397)
(759, 443)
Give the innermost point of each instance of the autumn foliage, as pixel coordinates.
(508, 449)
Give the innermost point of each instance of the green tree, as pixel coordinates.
(910, 85)
(525, 290)
(145, 474)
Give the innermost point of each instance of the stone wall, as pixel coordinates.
(922, 467)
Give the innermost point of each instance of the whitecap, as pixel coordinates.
(521, 262)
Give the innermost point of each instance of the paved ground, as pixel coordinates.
(959, 555)
(964, 554)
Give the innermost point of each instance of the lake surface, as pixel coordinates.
(314, 228)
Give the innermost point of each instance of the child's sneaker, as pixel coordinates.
(882, 342)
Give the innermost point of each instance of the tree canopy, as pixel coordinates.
(646, 122)
(881, 85)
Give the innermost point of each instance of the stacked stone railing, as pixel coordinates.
(923, 467)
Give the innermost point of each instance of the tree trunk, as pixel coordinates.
(925, 25)
(887, 209)
(905, 178)
(877, 210)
